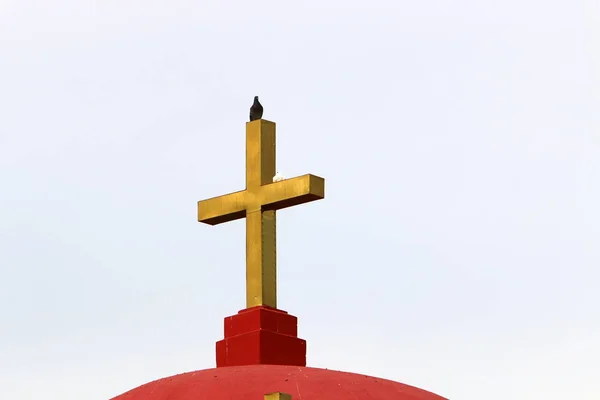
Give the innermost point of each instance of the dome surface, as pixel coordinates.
(252, 382)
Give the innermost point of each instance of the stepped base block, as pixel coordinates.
(261, 335)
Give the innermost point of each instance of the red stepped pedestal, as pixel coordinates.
(261, 335)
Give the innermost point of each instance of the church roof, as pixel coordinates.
(251, 382)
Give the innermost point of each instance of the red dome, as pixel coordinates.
(252, 382)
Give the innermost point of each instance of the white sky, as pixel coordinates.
(457, 249)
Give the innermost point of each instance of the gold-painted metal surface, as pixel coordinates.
(278, 396)
(259, 203)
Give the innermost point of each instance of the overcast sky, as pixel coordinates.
(457, 249)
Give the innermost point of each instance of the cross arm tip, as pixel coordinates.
(293, 191)
(221, 209)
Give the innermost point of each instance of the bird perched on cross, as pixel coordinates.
(256, 111)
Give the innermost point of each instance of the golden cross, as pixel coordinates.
(258, 203)
(278, 396)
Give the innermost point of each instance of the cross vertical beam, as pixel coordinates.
(261, 259)
(261, 235)
(260, 154)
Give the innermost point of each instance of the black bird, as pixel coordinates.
(256, 111)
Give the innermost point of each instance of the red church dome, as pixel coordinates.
(251, 382)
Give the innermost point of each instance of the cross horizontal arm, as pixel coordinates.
(274, 196)
(221, 209)
(291, 192)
